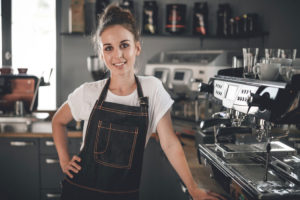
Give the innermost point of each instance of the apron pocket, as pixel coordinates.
(115, 144)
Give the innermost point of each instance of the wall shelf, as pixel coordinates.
(261, 34)
(255, 35)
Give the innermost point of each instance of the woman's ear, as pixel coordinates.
(138, 48)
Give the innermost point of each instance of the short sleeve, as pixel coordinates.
(76, 102)
(162, 102)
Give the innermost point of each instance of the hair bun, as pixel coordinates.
(115, 15)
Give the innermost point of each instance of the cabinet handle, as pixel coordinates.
(21, 143)
(49, 143)
(51, 195)
(51, 161)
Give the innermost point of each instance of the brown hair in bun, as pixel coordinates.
(115, 15)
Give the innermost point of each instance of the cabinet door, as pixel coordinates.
(47, 146)
(51, 173)
(19, 168)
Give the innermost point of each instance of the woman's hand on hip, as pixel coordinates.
(71, 166)
(200, 194)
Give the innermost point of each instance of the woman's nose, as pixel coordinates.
(118, 53)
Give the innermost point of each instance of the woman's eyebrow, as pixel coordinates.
(105, 44)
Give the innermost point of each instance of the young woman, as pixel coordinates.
(120, 113)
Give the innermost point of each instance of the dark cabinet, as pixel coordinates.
(29, 168)
(19, 168)
(51, 174)
(50, 194)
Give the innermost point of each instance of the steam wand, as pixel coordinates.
(263, 102)
(267, 127)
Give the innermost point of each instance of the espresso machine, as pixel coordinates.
(181, 72)
(18, 99)
(247, 155)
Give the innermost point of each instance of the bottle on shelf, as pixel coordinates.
(76, 17)
(224, 15)
(89, 17)
(200, 18)
(150, 18)
(175, 21)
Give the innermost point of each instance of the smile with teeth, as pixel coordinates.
(119, 64)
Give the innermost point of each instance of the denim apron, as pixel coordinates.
(112, 155)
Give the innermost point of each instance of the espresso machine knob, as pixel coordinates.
(203, 87)
(264, 102)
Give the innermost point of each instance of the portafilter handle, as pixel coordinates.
(213, 122)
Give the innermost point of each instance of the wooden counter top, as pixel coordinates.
(71, 134)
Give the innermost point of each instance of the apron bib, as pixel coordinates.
(112, 155)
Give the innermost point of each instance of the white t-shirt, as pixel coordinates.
(82, 100)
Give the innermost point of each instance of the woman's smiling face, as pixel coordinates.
(119, 49)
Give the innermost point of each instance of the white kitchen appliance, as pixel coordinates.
(182, 71)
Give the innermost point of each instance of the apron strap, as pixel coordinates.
(142, 100)
(104, 92)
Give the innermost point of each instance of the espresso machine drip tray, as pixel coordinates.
(245, 174)
(233, 150)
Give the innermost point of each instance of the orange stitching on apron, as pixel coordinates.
(133, 132)
(132, 149)
(116, 165)
(113, 165)
(103, 191)
(124, 112)
(97, 138)
(101, 104)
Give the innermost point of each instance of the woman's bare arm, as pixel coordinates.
(61, 118)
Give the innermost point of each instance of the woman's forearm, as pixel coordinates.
(59, 122)
(176, 156)
(61, 142)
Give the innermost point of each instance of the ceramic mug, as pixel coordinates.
(282, 61)
(291, 72)
(267, 71)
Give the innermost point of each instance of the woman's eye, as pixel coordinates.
(124, 45)
(108, 48)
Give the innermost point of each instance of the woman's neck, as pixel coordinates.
(122, 85)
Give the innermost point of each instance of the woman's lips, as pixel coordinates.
(119, 65)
